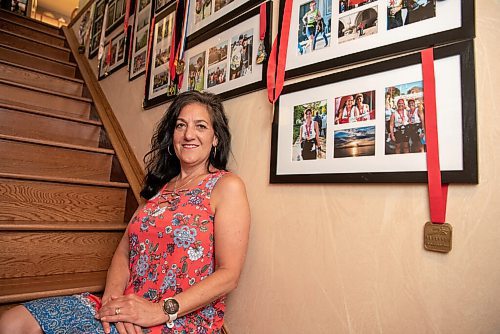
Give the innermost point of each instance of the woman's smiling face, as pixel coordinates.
(194, 135)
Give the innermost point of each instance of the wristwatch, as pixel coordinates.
(170, 308)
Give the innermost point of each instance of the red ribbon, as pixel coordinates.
(263, 21)
(438, 192)
(276, 74)
(127, 15)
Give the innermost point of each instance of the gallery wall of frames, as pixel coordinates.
(358, 125)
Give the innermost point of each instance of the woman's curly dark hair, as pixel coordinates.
(161, 162)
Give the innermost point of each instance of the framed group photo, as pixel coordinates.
(96, 27)
(159, 87)
(368, 124)
(327, 34)
(142, 21)
(225, 63)
(206, 15)
(116, 58)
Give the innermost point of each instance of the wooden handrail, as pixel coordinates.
(131, 167)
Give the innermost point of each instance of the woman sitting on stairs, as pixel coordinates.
(183, 250)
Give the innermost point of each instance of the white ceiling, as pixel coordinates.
(58, 7)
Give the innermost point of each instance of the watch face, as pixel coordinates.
(170, 306)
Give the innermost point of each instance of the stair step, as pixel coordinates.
(37, 125)
(31, 59)
(45, 112)
(63, 104)
(18, 290)
(31, 32)
(29, 22)
(40, 79)
(28, 44)
(47, 158)
(50, 253)
(30, 198)
(16, 225)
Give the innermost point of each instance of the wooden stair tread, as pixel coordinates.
(46, 91)
(15, 290)
(10, 16)
(33, 28)
(38, 55)
(34, 40)
(42, 72)
(17, 225)
(57, 144)
(64, 180)
(30, 109)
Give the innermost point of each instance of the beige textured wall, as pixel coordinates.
(341, 258)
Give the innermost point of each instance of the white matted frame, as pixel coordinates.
(456, 117)
(118, 58)
(371, 29)
(206, 15)
(235, 70)
(142, 21)
(159, 87)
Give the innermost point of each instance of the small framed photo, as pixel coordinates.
(206, 15)
(326, 34)
(142, 21)
(160, 4)
(368, 124)
(114, 59)
(225, 63)
(96, 27)
(159, 87)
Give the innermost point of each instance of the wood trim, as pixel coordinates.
(131, 167)
(80, 13)
(64, 180)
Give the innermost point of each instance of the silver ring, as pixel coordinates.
(117, 311)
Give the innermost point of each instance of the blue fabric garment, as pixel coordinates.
(66, 315)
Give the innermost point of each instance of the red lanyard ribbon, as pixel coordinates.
(127, 16)
(263, 21)
(438, 192)
(277, 60)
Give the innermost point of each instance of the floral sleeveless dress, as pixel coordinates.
(172, 248)
(171, 243)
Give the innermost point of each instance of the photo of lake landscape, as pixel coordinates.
(354, 142)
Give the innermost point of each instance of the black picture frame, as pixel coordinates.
(460, 141)
(119, 57)
(140, 38)
(197, 31)
(159, 88)
(229, 32)
(442, 28)
(96, 27)
(160, 5)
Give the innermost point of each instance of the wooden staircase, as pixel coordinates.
(64, 197)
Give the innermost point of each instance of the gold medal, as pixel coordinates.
(261, 53)
(437, 237)
(179, 66)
